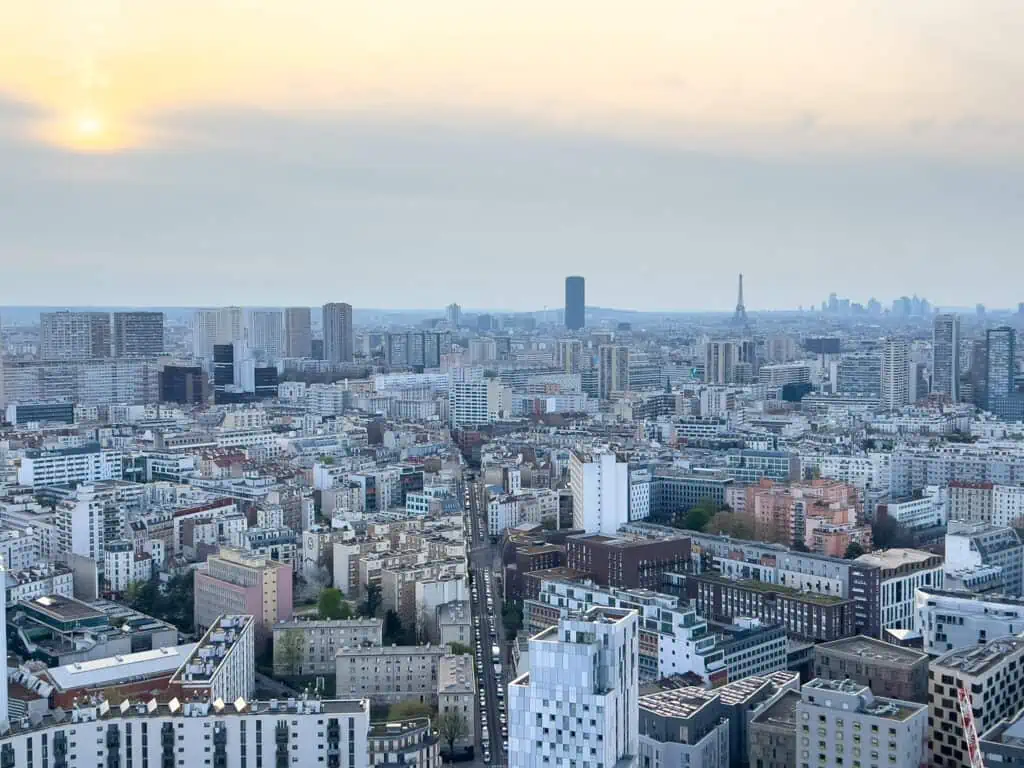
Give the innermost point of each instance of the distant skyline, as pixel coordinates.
(183, 152)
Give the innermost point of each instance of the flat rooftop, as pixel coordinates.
(781, 714)
(202, 664)
(981, 658)
(869, 648)
(761, 586)
(114, 669)
(890, 559)
(62, 608)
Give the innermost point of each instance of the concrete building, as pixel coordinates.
(457, 692)
(720, 361)
(474, 399)
(888, 670)
(992, 674)
(80, 521)
(298, 333)
(454, 624)
(600, 491)
(895, 390)
(191, 733)
(85, 465)
(1007, 505)
(235, 583)
(949, 620)
(946, 356)
(583, 671)
(971, 502)
(772, 733)
(223, 664)
(931, 510)
(124, 566)
(320, 642)
(74, 335)
(750, 648)
(389, 675)
(842, 720)
(339, 341)
(408, 743)
(38, 581)
(1003, 744)
(87, 383)
(138, 334)
(612, 370)
(575, 303)
(204, 333)
(265, 334)
(978, 545)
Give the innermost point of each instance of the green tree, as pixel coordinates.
(288, 652)
(395, 632)
(453, 726)
(697, 516)
(331, 605)
(408, 709)
(372, 602)
(853, 551)
(739, 525)
(459, 649)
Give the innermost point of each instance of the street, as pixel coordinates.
(485, 563)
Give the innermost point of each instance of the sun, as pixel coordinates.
(89, 125)
(89, 131)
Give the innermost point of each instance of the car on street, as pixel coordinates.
(487, 756)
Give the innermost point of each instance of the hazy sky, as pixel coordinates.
(409, 153)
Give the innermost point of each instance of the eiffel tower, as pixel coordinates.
(740, 316)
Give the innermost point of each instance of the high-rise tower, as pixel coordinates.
(338, 340)
(946, 356)
(740, 316)
(575, 303)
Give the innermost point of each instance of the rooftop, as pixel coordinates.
(455, 675)
(202, 664)
(781, 713)
(113, 669)
(981, 658)
(761, 586)
(875, 650)
(62, 608)
(891, 559)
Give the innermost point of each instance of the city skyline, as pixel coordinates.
(690, 144)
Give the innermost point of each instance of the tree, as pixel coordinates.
(453, 726)
(697, 516)
(799, 546)
(288, 652)
(408, 709)
(887, 533)
(853, 551)
(373, 600)
(459, 649)
(331, 605)
(739, 525)
(395, 632)
(512, 619)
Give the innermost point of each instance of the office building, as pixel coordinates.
(575, 303)
(223, 663)
(204, 333)
(141, 732)
(453, 315)
(975, 546)
(234, 582)
(581, 695)
(992, 674)
(895, 385)
(750, 647)
(42, 413)
(570, 355)
(230, 325)
(888, 670)
(318, 642)
(338, 339)
(74, 335)
(883, 584)
(1003, 744)
(842, 722)
(138, 334)
(946, 357)
(857, 375)
(1000, 349)
(390, 674)
(265, 334)
(627, 561)
(720, 361)
(613, 370)
(951, 620)
(184, 385)
(600, 491)
(298, 333)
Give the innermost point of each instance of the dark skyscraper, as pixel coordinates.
(575, 303)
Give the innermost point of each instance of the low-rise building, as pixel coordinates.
(751, 648)
(456, 692)
(883, 584)
(772, 733)
(39, 580)
(454, 623)
(888, 670)
(310, 647)
(408, 743)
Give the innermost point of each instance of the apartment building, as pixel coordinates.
(841, 722)
(457, 692)
(320, 642)
(85, 465)
(391, 674)
(883, 585)
(408, 743)
(751, 648)
(949, 620)
(772, 741)
(972, 546)
(222, 665)
(179, 734)
(234, 582)
(888, 670)
(628, 561)
(992, 674)
(581, 694)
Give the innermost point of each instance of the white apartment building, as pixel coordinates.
(901, 573)
(473, 399)
(266, 334)
(123, 566)
(38, 581)
(929, 511)
(204, 333)
(223, 664)
(971, 502)
(320, 642)
(639, 495)
(390, 675)
(895, 392)
(840, 722)
(80, 524)
(950, 620)
(106, 381)
(580, 700)
(600, 491)
(69, 466)
(863, 472)
(182, 735)
(1007, 504)
(502, 513)
(457, 692)
(20, 547)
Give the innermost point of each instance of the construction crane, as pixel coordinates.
(970, 731)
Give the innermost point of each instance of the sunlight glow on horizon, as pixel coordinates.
(792, 77)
